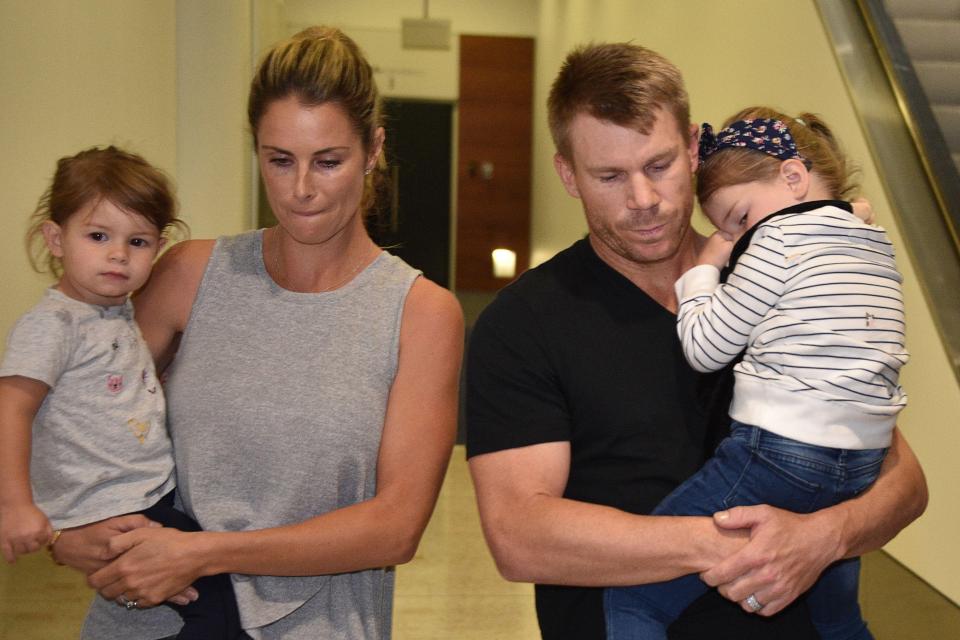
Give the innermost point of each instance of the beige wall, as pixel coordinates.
(214, 156)
(72, 75)
(790, 66)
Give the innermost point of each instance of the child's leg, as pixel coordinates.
(832, 601)
(751, 466)
(644, 612)
(833, 605)
(214, 615)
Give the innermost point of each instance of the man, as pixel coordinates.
(582, 412)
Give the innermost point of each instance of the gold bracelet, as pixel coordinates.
(53, 541)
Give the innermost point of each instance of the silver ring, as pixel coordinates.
(129, 605)
(753, 603)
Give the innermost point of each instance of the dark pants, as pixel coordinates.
(214, 615)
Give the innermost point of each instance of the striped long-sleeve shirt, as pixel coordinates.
(815, 301)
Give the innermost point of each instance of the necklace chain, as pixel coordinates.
(338, 284)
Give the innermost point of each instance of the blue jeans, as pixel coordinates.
(753, 466)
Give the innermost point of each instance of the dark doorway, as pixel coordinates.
(415, 225)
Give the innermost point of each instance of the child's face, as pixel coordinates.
(736, 208)
(107, 252)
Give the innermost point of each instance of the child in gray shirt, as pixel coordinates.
(83, 434)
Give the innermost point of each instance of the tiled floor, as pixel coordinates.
(451, 591)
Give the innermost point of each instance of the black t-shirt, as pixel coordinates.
(574, 352)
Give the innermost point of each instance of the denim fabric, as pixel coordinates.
(753, 466)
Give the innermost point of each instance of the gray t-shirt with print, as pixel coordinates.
(100, 446)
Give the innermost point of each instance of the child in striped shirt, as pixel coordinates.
(811, 312)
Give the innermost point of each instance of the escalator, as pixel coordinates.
(909, 109)
(930, 33)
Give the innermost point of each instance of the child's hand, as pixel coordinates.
(23, 529)
(716, 250)
(863, 210)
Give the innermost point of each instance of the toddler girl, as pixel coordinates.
(82, 418)
(813, 305)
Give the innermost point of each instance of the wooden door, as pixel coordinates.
(494, 156)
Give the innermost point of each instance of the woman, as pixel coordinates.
(312, 385)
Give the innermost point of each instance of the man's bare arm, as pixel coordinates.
(536, 535)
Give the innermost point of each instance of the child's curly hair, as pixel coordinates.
(101, 173)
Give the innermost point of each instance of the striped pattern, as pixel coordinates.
(816, 302)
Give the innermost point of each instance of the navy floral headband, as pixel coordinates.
(760, 134)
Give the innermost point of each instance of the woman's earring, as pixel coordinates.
(367, 171)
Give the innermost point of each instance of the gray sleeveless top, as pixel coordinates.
(276, 402)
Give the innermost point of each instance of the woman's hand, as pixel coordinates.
(86, 548)
(152, 565)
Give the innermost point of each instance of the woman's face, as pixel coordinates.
(312, 162)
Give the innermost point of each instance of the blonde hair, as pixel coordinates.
(622, 83)
(815, 142)
(101, 173)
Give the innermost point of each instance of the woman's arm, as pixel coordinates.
(418, 435)
(23, 527)
(163, 306)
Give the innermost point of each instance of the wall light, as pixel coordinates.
(504, 263)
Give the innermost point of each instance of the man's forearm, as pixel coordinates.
(536, 535)
(561, 541)
(896, 499)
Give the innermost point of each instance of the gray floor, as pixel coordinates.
(899, 606)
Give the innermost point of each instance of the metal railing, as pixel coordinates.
(910, 153)
(918, 116)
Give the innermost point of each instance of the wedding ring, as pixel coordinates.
(753, 603)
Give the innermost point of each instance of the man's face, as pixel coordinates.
(636, 188)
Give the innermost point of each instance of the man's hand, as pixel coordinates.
(23, 529)
(786, 554)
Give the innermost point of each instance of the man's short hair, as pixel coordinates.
(622, 83)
